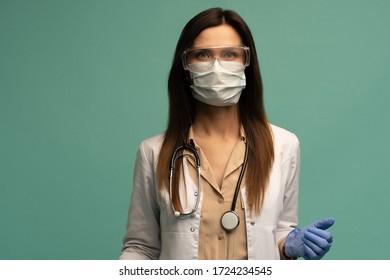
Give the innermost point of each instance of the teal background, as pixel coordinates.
(83, 82)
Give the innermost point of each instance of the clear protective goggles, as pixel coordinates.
(234, 58)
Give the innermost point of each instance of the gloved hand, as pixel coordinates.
(311, 242)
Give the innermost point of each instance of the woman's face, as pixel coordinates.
(221, 35)
(222, 42)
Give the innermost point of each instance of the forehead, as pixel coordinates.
(221, 35)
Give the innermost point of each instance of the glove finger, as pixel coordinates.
(314, 247)
(319, 241)
(321, 233)
(310, 254)
(324, 223)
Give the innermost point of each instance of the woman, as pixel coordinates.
(232, 192)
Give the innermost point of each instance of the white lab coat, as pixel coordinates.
(153, 232)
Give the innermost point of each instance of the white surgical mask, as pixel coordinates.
(219, 85)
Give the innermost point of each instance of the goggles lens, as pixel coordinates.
(237, 55)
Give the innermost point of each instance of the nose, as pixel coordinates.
(213, 62)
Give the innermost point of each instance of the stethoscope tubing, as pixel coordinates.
(196, 158)
(230, 216)
(237, 190)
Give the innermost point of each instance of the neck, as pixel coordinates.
(221, 122)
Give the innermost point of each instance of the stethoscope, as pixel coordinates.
(230, 219)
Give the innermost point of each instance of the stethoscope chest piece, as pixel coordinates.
(230, 220)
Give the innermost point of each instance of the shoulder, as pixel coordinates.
(286, 143)
(153, 142)
(150, 147)
(283, 136)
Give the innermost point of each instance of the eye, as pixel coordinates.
(231, 54)
(202, 55)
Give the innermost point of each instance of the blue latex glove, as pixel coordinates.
(311, 242)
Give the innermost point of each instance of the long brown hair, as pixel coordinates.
(251, 110)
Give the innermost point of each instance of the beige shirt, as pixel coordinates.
(214, 241)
